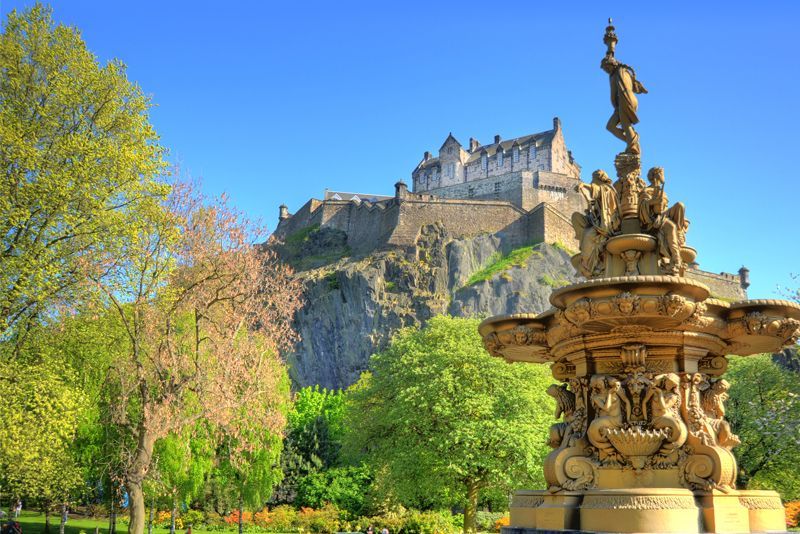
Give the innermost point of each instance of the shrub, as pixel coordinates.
(393, 521)
(428, 523)
(792, 509)
(233, 517)
(485, 521)
(282, 519)
(344, 487)
(262, 518)
(164, 518)
(193, 517)
(502, 522)
(325, 520)
(95, 510)
(214, 521)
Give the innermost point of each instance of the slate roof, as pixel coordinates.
(358, 197)
(506, 145)
(491, 149)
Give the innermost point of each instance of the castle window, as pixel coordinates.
(497, 190)
(499, 158)
(515, 155)
(449, 150)
(471, 192)
(533, 153)
(484, 162)
(451, 170)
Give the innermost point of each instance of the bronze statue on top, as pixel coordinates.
(624, 88)
(668, 225)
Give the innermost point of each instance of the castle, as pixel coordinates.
(521, 190)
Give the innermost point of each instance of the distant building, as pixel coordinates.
(521, 190)
(525, 171)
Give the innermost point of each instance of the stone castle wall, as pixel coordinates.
(722, 285)
(397, 222)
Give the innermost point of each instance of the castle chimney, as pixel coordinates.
(283, 212)
(473, 144)
(744, 277)
(497, 139)
(400, 189)
(556, 124)
(426, 156)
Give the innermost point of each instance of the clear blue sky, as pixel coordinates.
(274, 101)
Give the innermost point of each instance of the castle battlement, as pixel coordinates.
(523, 196)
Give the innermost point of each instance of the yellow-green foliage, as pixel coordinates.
(499, 263)
(548, 280)
(561, 246)
(81, 162)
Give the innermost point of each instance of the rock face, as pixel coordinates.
(354, 305)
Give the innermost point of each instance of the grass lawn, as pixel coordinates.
(33, 523)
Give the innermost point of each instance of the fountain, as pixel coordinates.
(640, 351)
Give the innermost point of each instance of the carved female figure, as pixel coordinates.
(665, 402)
(598, 223)
(669, 225)
(714, 398)
(607, 398)
(565, 405)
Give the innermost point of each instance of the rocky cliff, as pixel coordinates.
(353, 305)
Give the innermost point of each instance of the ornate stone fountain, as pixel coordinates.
(640, 352)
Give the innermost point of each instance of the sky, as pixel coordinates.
(272, 102)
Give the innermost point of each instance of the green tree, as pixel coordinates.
(249, 475)
(346, 487)
(441, 420)
(80, 162)
(764, 410)
(313, 438)
(183, 461)
(40, 411)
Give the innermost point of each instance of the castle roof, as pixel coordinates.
(357, 197)
(523, 142)
(491, 149)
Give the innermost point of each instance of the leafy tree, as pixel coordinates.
(763, 409)
(183, 462)
(80, 161)
(442, 420)
(250, 474)
(313, 439)
(346, 487)
(40, 412)
(204, 314)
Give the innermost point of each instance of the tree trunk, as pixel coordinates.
(63, 518)
(47, 517)
(134, 477)
(241, 514)
(172, 517)
(471, 507)
(111, 516)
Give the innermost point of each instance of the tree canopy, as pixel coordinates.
(441, 420)
(764, 410)
(80, 162)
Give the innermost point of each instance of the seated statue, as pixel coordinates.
(668, 225)
(598, 223)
